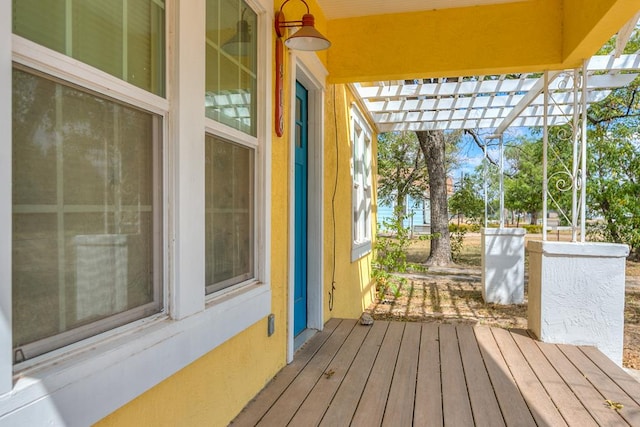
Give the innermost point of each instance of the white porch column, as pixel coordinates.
(576, 294)
(186, 176)
(503, 265)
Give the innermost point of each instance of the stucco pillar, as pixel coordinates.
(576, 294)
(503, 265)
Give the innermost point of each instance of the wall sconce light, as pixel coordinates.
(307, 37)
(239, 44)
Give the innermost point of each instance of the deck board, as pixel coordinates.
(484, 404)
(286, 406)
(513, 406)
(428, 401)
(343, 406)
(563, 398)
(399, 410)
(374, 397)
(605, 385)
(540, 404)
(428, 374)
(456, 406)
(316, 403)
(590, 398)
(252, 413)
(620, 377)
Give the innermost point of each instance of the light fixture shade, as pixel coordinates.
(307, 37)
(239, 44)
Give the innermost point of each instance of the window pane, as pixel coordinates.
(83, 212)
(231, 64)
(361, 140)
(124, 38)
(229, 213)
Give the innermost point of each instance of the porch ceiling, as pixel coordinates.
(377, 40)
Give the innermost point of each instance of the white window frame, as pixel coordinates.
(104, 372)
(230, 135)
(6, 202)
(361, 196)
(115, 320)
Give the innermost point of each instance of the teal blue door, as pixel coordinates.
(300, 232)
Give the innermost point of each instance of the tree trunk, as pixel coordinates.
(400, 203)
(432, 144)
(400, 211)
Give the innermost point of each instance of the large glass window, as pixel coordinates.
(86, 213)
(229, 224)
(230, 168)
(124, 38)
(361, 175)
(231, 67)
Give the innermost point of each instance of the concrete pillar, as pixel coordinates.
(503, 265)
(576, 294)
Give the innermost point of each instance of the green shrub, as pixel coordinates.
(391, 256)
(456, 239)
(533, 228)
(472, 228)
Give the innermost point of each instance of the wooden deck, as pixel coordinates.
(423, 374)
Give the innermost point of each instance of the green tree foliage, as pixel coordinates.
(523, 177)
(467, 202)
(391, 256)
(401, 168)
(613, 169)
(613, 182)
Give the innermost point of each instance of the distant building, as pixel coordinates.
(417, 211)
(418, 214)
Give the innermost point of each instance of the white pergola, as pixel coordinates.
(488, 102)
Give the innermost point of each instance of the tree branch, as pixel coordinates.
(479, 143)
(629, 107)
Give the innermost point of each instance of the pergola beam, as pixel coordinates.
(625, 34)
(535, 91)
(476, 114)
(466, 124)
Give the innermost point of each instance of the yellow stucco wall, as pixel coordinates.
(354, 290)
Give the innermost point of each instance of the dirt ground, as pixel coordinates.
(454, 295)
